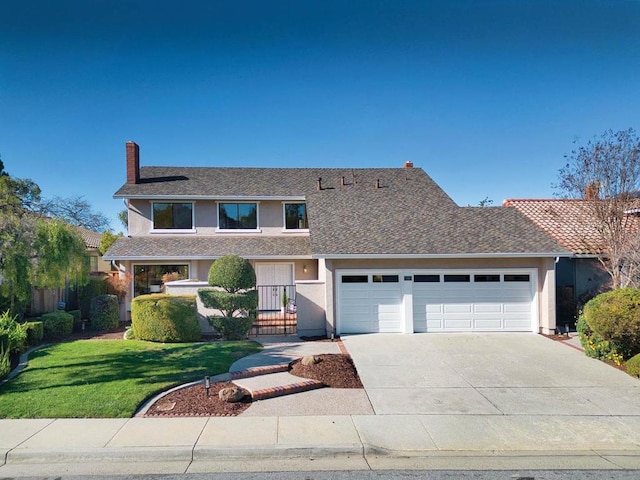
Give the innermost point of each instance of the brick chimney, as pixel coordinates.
(592, 192)
(133, 162)
(408, 164)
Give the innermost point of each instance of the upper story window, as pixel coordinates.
(172, 216)
(238, 216)
(295, 216)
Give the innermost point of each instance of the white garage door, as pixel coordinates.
(478, 301)
(369, 301)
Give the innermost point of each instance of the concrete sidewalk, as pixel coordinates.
(174, 445)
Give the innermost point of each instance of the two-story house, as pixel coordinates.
(360, 250)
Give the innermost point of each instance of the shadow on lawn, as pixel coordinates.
(140, 362)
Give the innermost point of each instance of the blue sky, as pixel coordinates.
(485, 96)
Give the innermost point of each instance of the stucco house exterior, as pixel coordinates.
(360, 250)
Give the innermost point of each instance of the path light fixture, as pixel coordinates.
(207, 384)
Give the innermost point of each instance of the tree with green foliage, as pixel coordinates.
(605, 173)
(33, 250)
(233, 280)
(108, 239)
(61, 254)
(123, 216)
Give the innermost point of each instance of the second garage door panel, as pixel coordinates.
(504, 303)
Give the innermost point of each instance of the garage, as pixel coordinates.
(389, 301)
(474, 301)
(369, 301)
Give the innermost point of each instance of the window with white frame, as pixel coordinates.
(295, 216)
(172, 216)
(237, 216)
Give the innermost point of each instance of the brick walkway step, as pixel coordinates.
(276, 385)
(258, 371)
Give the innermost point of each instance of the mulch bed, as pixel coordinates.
(334, 370)
(193, 401)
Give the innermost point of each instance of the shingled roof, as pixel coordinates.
(408, 221)
(210, 247)
(352, 212)
(230, 182)
(565, 220)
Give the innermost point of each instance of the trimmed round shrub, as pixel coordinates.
(104, 313)
(232, 328)
(633, 366)
(165, 318)
(615, 316)
(57, 325)
(35, 332)
(232, 273)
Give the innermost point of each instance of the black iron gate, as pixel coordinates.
(277, 310)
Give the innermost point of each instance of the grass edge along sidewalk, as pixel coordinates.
(109, 379)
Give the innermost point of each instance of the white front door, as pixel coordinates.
(274, 281)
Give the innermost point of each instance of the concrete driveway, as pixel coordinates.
(487, 374)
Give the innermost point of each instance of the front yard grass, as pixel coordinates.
(109, 378)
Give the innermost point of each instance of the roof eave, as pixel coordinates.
(116, 258)
(212, 197)
(442, 255)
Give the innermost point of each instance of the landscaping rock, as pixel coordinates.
(231, 394)
(311, 360)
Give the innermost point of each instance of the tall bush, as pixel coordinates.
(165, 318)
(615, 316)
(96, 286)
(233, 280)
(104, 314)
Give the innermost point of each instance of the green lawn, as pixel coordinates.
(109, 378)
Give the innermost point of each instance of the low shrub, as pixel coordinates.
(595, 346)
(633, 366)
(615, 317)
(232, 328)
(16, 332)
(165, 318)
(57, 325)
(35, 332)
(77, 319)
(104, 314)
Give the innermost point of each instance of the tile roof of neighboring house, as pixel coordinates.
(566, 220)
(267, 182)
(91, 239)
(210, 247)
(408, 221)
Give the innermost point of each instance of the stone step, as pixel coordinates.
(276, 385)
(258, 371)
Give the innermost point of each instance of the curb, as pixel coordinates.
(23, 362)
